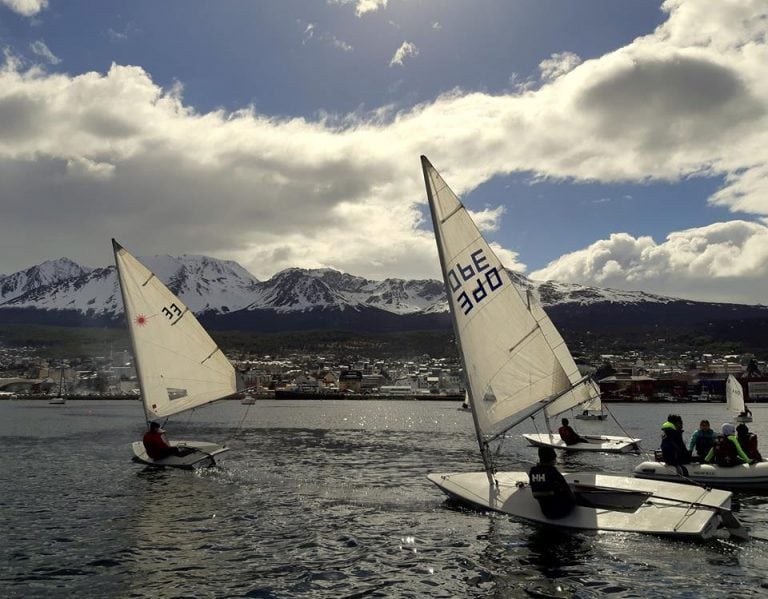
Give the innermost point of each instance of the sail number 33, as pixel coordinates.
(477, 272)
(173, 313)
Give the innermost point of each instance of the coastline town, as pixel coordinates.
(631, 377)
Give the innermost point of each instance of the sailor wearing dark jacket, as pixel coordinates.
(673, 448)
(555, 496)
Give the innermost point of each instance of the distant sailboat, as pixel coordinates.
(59, 400)
(516, 364)
(734, 398)
(178, 365)
(592, 410)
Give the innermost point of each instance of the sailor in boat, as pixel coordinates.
(702, 441)
(727, 450)
(157, 445)
(748, 442)
(673, 449)
(555, 496)
(568, 435)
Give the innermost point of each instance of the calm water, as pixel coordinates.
(321, 499)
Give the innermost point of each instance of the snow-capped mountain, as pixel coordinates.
(299, 290)
(48, 273)
(203, 284)
(226, 296)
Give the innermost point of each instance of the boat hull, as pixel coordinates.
(744, 477)
(203, 457)
(591, 416)
(626, 504)
(603, 443)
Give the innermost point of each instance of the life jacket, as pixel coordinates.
(551, 490)
(673, 450)
(749, 445)
(725, 453)
(568, 435)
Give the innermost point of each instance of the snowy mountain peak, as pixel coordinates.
(37, 277)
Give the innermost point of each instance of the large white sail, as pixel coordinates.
(515, 359)
(734, 395)
(178, 365)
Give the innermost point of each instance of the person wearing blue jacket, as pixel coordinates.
(702, 440)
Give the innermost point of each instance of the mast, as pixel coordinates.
(116, 247)
(425, 166)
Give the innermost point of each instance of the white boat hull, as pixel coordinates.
(203, 457)
(743, 418)
(57, 401)
(648, 507)
(604, 443)
(591, 416)
(743, 477)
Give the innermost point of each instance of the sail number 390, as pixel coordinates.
(487, 279)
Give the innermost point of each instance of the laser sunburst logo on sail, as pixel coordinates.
(481, 277)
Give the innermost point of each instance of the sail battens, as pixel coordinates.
(522, 340)
(180, 316)
(208, 357)
(447, 216)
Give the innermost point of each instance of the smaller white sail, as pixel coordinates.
(593, 405)
(178, 365)
(734, 395)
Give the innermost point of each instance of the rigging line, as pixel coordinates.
(238, 428)
(623, 430)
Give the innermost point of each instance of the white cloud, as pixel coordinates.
(405, 50)
(114, 154)
(39, 48)
(489, 218)
(26, 8)
(723, 261)
(311, 33)
(363, 6)
(558, 65)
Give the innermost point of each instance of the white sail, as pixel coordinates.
(734, 395)
(593, 405)
(515, 359)
(178, 365)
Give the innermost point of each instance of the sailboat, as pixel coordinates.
(59, 400)
(516, 365)
(592, 410)
(178, 365)
(734, 398)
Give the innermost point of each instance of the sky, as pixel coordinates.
(616, 143)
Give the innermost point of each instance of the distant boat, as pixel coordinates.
(593, 410)
(734, 398)
(248, 400)
(178, 365)
(516, 364)
(59, 400)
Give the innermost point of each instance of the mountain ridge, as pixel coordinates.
(227, 297)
